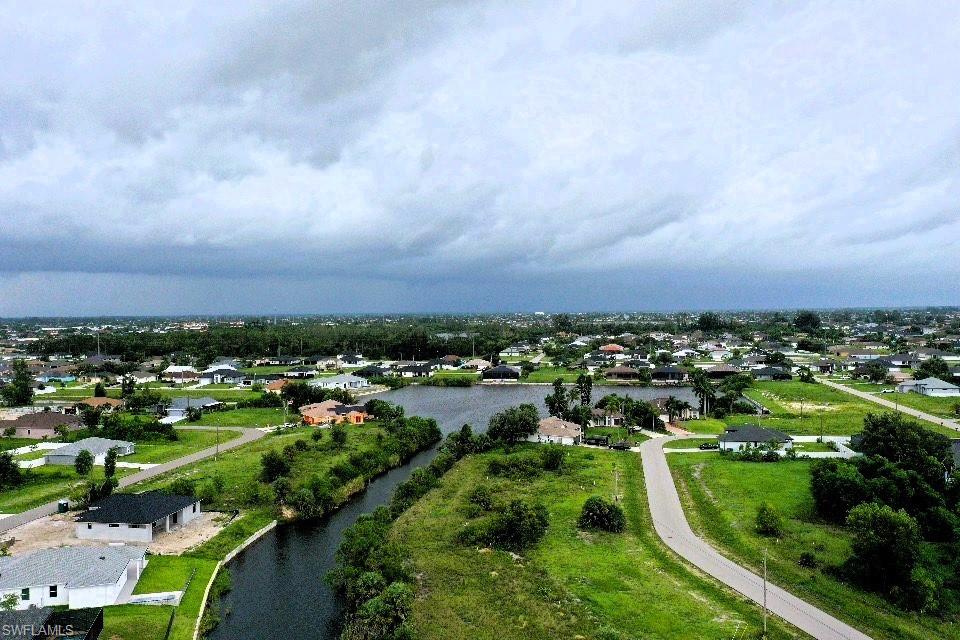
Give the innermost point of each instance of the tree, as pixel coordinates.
(19, 391)
(675, 407)
(602, 515)
(273, 466)
(585, 387)
(934, 367)
(514, 424)
(807, 322)
(710, 321)
(90, 416)
(552, 457)
(83, 463)
(562, 323)
(886, 546)
(805, 375)
(99, 391)
(906, 443)
(10, 473)
(837, 487)
(338, 434)
(110, 463)
(703, 389)
(9, 602)
(558, 403)
(769, 521)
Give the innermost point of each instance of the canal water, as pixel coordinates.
(279, 590)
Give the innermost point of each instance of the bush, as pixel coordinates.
(552, 457)
(519, 526)
(886, 547)
(338, 435)
(515, 467)
(769, 521)
(273, 465)
(602, 515)
(808, 560)
(481, 497)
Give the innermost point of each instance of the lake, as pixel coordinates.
(278, 583)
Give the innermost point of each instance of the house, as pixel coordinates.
(351, 360)
(75, 577)
(604, 418)
(720, 371)
(222, 375)
(47, 623)
(684, 353)
(772, 373)
(333, 412)
(98, 447)
(51, 376)
(946, 356)
(501, 373)
(904, 360)
(748, 436)
(300, 372)
(669, 373)
(825, 365)
(611, 348)
(179, 373)
(276, 386)
(346, 381)
(719, 354)
(556, 431)
(107, 404)
(180, 407)
(451, 362)
(136, 517)
(515, 350)
(141, 377)
(688, 413)
(930, 387)
(414, 371)
(478, 364)
(621, 373)
(41, 425)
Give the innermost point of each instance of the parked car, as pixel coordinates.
(886, 391)
(706, 446)
(623, 445)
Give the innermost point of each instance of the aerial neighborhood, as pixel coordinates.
(141, 456)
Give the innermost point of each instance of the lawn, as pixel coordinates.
(32, 455)
(7, 443)
(704, 425)
(240, 468)
(807, 447)
(721, 498)
(46, 484)
(689, 443)
(135, 622)
(169, 573)
(549, 374)
(244, 418)
(616, 434)
(190, 441)
(572, 584)
(796, 408)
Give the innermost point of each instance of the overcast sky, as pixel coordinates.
(477, 156)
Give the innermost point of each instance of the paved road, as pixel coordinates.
(672, 527)
(872, 397)
(247, 435)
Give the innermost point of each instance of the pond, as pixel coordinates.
(278, 583)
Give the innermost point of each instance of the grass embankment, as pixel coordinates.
(45, 484)
(796, 407)
(136, 622)
(721, 498)
(570, 584)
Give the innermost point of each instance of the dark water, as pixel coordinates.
(278, 583)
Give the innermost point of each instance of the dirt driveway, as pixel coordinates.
(57, 531)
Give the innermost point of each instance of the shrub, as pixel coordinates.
(515, 467)
(769, 521)
(552, 457)
(316, 435)
(808, 560)
(601, 515)
(338, 434)
(519, 526)
(481, 496)
(273, 466)
(886, 547)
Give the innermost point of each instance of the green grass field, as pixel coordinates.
(796, 407)
(46, 484)
(616, 434)
(689, 443)
(135, 622)
(548, 374)
(7, 443)
(241, 466)
(572, 584)
(189, 442)
(721, 498)
(244, 418)
(704, 425)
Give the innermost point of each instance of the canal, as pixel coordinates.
(279, 590)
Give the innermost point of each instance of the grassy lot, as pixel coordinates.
(46, 484)
(572, 584)
(168, 573)
(616, 434)
(807, 447)
(689, 443)
(704, 425)
(135, 622)
(244, 418)
(189, 442)
(943, 407)
(32, 455)
(721, 498)
(459, 373)
(796, 407)
(239, 468)
(15, 443)
(549, 374)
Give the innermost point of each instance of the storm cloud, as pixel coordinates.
(376, 156)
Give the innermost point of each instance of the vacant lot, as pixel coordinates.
(189, 441)
(721, 498)
(244, 418)
(573, 583)
(46, 484)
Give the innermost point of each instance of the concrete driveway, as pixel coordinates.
(672, 527)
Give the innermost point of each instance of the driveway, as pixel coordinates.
(672, 527)
(246, 435)
(883, 402)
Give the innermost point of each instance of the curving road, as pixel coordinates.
(883, 402)
(672, 527)
(246, 435)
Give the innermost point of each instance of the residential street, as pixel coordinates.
(872, 397)
(672, 527)
(247, 435)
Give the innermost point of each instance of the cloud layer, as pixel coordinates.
(458, 151)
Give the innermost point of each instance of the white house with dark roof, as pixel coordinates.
(136, 517)
(930, 387)
(75, 577)
(556, 431)
(750, 436)
(346, 381)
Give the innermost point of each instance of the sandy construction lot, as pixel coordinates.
(57, 531)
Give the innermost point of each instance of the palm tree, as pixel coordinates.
(703, 390)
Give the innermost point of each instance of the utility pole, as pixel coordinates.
(821, 425)
(764, 592)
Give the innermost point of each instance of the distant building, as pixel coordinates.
(930, 387)
(501, 373)
(41, 425)
(98, 448)
(556, 431)
(749, 436)
(346, 381)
